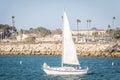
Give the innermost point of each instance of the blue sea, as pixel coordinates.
(29, 67)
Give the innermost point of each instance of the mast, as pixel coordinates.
(62, 39)
(69, 55)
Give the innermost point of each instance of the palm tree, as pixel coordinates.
(88, 24)
(108, 29)
(113, 24)
(21, 34)
(13, 17)
(77, 23)
(113, 20)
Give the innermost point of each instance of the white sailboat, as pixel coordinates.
(69, 64)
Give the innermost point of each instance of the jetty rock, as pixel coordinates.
(83, 49)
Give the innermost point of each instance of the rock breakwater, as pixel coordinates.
(56, 49)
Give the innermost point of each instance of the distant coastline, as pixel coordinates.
(83, 49)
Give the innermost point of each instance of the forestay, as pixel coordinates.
(69, 55)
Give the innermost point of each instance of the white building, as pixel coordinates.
(86, 35)
(22, 37)
(88, 32)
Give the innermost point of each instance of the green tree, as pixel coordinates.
(39, 30)
(6, 30)
(57, 31)
(94, 28)
(30, 40)
(43, 31)
(117, 33)
(110, 31)
(95, 34)
(31, 30)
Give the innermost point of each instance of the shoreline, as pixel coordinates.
(104, 54)
(92, 50)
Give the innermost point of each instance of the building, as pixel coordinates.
(88, 35)
(22, 37)
(88, 32)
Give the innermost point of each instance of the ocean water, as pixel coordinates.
(29, 67)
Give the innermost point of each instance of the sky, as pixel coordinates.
(47, 13)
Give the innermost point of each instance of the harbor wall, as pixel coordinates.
(83, 49)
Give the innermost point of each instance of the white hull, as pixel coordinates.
(64, 70)
(58, 72)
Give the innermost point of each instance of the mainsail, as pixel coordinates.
(69, 55)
